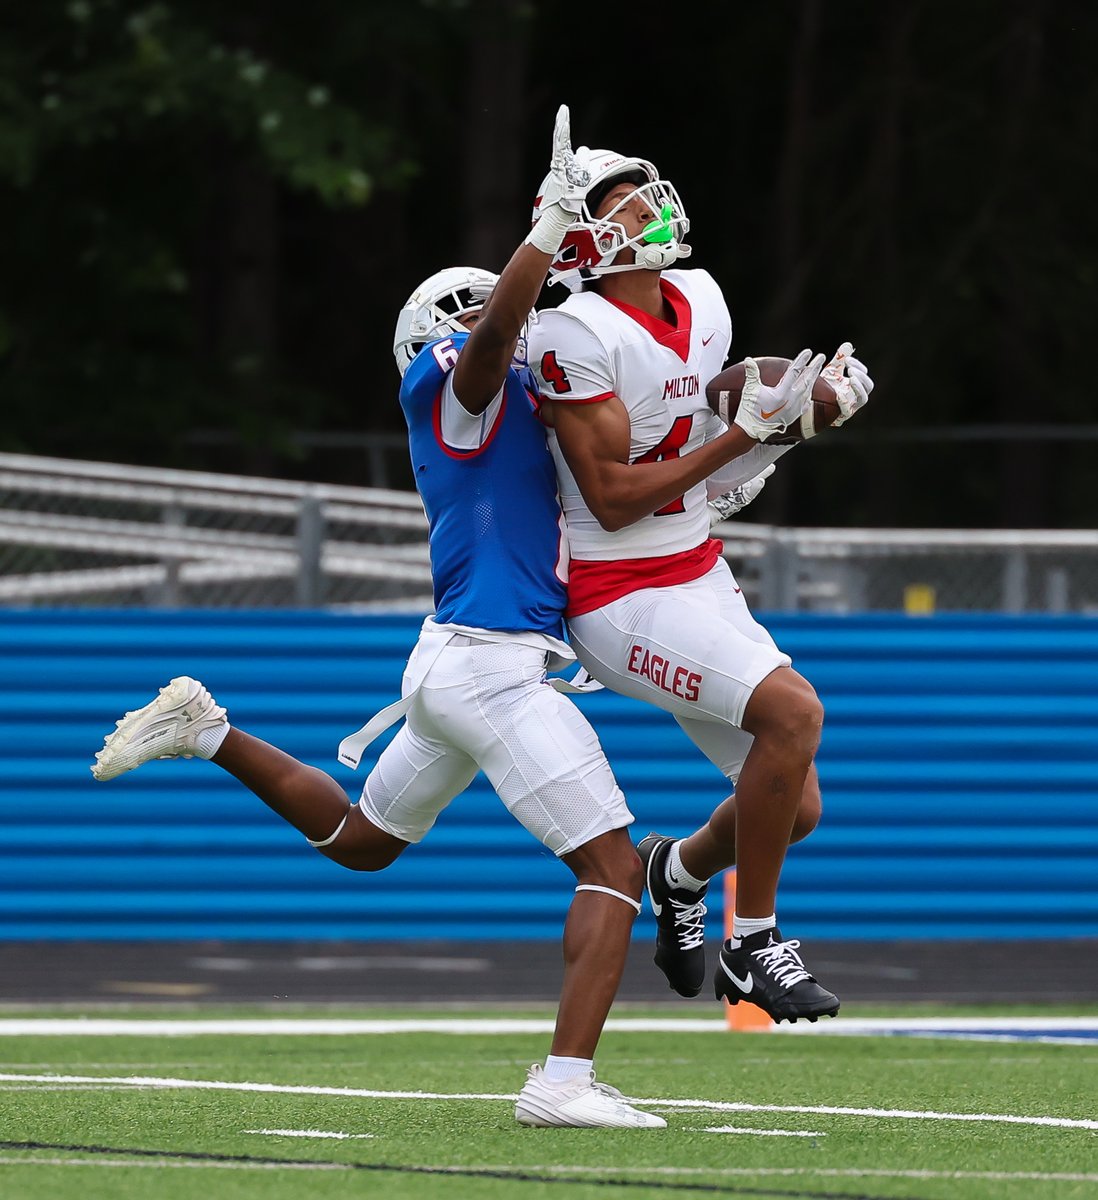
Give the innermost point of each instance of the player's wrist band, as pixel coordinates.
(549, 231)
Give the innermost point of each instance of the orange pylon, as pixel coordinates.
(743, 1016)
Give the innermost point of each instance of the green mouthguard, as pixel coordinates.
(660, 230)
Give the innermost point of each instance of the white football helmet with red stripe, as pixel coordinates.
(592, 243)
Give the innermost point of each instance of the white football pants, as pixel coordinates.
(693, 649)
(487, 706)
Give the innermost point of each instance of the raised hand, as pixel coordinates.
(568, 177)
(560, 199)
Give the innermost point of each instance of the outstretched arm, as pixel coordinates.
(486, 357)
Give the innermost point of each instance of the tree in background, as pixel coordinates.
(145, 157)
(214, 210)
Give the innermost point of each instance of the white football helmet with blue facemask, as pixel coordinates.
(592, 243)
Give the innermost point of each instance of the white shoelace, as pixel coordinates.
(606, 1089)
(781, 961)
(689, 923)
(612, 1094)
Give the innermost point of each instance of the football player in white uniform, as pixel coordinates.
(654, 611)
(474, 694)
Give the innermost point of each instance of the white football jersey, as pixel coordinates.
(590, 349)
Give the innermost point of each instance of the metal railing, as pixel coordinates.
(99, 533)
(84, 533)
(915, 570)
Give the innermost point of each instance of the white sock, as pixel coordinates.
(558, 1068)
(209, 741)
(677, 875)
(743, 927)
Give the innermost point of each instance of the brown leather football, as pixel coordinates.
(723, 394)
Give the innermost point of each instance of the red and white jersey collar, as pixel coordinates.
(675, 334)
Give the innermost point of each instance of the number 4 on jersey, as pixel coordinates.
(669, 447)
(553, 373)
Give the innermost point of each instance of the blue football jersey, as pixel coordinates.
(495, 520)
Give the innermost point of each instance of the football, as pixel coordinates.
(723, 395)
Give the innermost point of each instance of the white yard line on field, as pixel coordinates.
(831, 1172)
(309, 1133)
(763, 1132)
(342, 1027)
(306, 1026)
(154, 1081)
(161, 1163)
(558, 1169)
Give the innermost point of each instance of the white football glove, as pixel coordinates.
(768, 410)
(564, 188)
(727, 505)
(569, 178)
(850, 380)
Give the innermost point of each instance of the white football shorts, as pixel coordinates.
(487, 706)
(693, 649)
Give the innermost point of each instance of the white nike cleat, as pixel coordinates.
(167, 727)
(578, 1103)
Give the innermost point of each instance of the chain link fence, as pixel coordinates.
(79, 533)
(82, 533)
(915, 570)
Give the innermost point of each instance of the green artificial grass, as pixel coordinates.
(98, 1140)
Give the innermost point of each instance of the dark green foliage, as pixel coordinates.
(213, 211)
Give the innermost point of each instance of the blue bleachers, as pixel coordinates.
(959, 768)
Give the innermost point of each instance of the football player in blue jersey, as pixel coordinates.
(475, 696)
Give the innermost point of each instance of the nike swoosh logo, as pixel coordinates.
(745, 985)
(767, 415)
(656, 908)
(706, 341)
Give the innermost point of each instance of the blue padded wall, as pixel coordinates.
(959, 768)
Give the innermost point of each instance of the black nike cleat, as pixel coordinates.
(680, 918)
(768, 972)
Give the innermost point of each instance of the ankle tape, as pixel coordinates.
(594, 887)
(329, 840)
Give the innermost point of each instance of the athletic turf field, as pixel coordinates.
(281, 1115)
